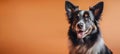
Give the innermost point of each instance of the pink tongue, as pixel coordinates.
(79, 35)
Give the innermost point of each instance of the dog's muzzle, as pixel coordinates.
(81, 31)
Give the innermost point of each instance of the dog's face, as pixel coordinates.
(83, 22)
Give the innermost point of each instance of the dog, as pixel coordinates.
(84, 32)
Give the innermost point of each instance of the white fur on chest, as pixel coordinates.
(97, 47)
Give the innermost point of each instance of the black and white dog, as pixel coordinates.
(84, 32)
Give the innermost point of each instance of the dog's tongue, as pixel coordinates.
(80, 34)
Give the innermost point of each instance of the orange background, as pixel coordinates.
(40, 27)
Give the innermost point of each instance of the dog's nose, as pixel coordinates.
(80, 25)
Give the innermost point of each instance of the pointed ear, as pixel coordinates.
(70, 9)
(97, 10)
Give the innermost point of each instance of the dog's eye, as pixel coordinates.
(86, 16)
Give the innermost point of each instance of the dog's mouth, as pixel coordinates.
(82, 34)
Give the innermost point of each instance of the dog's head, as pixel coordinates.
(83, 22)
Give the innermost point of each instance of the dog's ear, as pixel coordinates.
(70, 9)
(97, 10)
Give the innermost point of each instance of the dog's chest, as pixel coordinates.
(83, 49)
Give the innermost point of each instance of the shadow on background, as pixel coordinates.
(40, 27)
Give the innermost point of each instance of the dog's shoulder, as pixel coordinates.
(107, 51)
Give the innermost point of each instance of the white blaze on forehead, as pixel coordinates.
(82, 12)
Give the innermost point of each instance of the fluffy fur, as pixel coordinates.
(84, 33)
